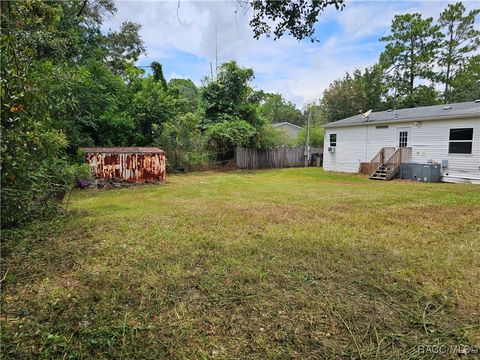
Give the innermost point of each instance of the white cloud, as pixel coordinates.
(365, 19)
(174, 75)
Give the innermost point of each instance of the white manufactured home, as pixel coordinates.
(445, 134)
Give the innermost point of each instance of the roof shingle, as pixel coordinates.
(418, 113)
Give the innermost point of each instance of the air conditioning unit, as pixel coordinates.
(331, 149)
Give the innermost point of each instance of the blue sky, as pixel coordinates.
(181, 36)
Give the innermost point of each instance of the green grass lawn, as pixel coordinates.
(294, 263)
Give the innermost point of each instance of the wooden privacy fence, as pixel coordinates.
(273, 158)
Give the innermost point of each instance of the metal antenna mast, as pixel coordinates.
(216, 52)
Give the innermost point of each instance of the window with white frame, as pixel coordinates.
(403, 139)
(460, 141)
(333, 140)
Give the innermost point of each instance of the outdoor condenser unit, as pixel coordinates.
(420, 172)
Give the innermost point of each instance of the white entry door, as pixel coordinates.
(403, 137)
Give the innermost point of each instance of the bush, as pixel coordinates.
(43, 196)
(270, 138)
(180, 138)
(316, 136)
(228, 135)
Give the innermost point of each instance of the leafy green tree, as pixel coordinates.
(228, 135)
(375, 90)
(91, 11)
(229, 96)
(158, 74)
(124, 47)
(317, 111)
(460, 38)
(151, 107)
(465, 85)
(30, 146)
(351, 95)
(187, 93)
(315, 138)
(227, 102)
(410, 53)
(422, 96)
(275, 109)
(339, 100)
(90, 106)
(297, 17)
(180, 137)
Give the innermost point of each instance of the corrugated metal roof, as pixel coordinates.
(419, 113)
(123, 150)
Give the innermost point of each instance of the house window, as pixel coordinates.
(460, 141)
(333, 139)
(403, 139)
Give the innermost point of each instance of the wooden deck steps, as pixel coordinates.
(380, 173)
(389, 164)
(384, 172)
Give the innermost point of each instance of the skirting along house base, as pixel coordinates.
(379, 142)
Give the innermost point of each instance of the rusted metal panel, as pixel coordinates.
(137, 165)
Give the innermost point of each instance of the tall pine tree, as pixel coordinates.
(460, 40)
(410, 53)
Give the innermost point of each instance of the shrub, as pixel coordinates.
(270, 138)
(316, 136)
(43, 196)
(228, 135)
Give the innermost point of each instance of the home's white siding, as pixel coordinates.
(428, 139)
(350, 150)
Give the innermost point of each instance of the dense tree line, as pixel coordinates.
(424, 63)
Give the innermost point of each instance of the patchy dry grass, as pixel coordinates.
(293, 263)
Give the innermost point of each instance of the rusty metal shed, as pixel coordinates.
(133, 164)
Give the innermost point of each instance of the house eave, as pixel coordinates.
(420, 119)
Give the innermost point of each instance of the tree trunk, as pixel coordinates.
(412, 67)
(447, 88)
(449, 65)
